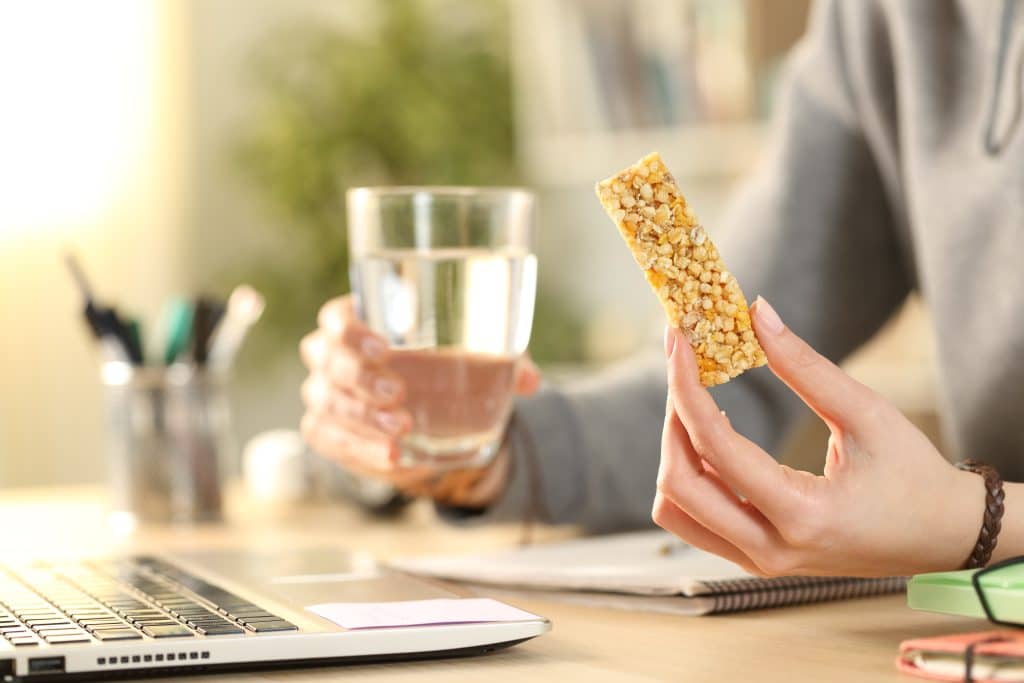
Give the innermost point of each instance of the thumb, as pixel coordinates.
(527, 377)
(836, 397)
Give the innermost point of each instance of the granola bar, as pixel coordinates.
(683, 266)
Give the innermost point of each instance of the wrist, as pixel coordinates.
(489, 487)
(1011, 538)
(964, 511)
(474, 488)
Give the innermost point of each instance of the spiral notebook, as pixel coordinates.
(648, 571)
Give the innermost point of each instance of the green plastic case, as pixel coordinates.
(952, 593)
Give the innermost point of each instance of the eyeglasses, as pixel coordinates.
(1000, 590)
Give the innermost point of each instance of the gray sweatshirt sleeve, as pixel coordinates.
(812, 232)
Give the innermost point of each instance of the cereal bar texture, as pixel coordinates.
(682, 264)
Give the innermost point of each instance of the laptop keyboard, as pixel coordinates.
(132, 599)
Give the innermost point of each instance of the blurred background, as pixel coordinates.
(183, 146)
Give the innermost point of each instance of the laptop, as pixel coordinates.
(212, 611)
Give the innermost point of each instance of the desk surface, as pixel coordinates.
(846, 641)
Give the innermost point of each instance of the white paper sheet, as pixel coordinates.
(359, 615)
(640, 563)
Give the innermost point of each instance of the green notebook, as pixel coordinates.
(953, 593)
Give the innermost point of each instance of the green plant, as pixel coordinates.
(412, 98)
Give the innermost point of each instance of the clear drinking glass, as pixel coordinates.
(446, 276)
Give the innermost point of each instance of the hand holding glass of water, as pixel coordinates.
(414, 375)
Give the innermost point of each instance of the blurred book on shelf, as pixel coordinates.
(619, 74)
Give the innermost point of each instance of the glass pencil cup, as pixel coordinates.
(446, 275)
(169, 440)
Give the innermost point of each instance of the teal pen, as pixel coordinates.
(179, 329)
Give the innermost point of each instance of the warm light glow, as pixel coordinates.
(76, 108)
(487, 304)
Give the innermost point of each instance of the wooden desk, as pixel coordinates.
(848, 641)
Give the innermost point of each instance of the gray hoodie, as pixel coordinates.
(897, 165)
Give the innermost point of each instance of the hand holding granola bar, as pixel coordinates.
(888, 503)
(721, 492)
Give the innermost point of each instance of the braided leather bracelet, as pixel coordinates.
(992, 522)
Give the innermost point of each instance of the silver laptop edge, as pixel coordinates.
(281, 584)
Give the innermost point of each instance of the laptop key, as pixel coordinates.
(120, 606)
(259, 619)
(82, 618)
(118, 634)
(271, 626)
(181, 606)
(143, 613)
(55, 627)
(40, 615)
(217, 630)
(46, 622)
(250, 612)
(19, 634)
(98, 628)
(196, 613)
(96, 621)
(167, 631)
(61, 632)
(151, 619)
(212, 624)
(94, 628)
(155, 622)
(20, 642)
(177, 609)
(63, 640)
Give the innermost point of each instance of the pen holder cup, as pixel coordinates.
(169, 438)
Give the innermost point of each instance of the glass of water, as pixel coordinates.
(446, 276)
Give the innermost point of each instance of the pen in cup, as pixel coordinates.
(168, 417)
(206, 316)
(244, 308)
(114, 335)
(178, 324)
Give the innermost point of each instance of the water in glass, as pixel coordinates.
(457, 319)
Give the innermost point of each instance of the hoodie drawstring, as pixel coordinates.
(994, 146)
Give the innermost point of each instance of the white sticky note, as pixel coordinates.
(356, 615)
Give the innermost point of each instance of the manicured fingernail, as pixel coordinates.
(670, 341)
(373, 348)
(389, 421)
(767, 317)
(387, 388)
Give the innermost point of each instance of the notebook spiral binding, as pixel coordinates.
(738, 595)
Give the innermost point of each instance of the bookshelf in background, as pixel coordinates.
(602, 82)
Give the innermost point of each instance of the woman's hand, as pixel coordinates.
(888, 503)
(355, 414)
